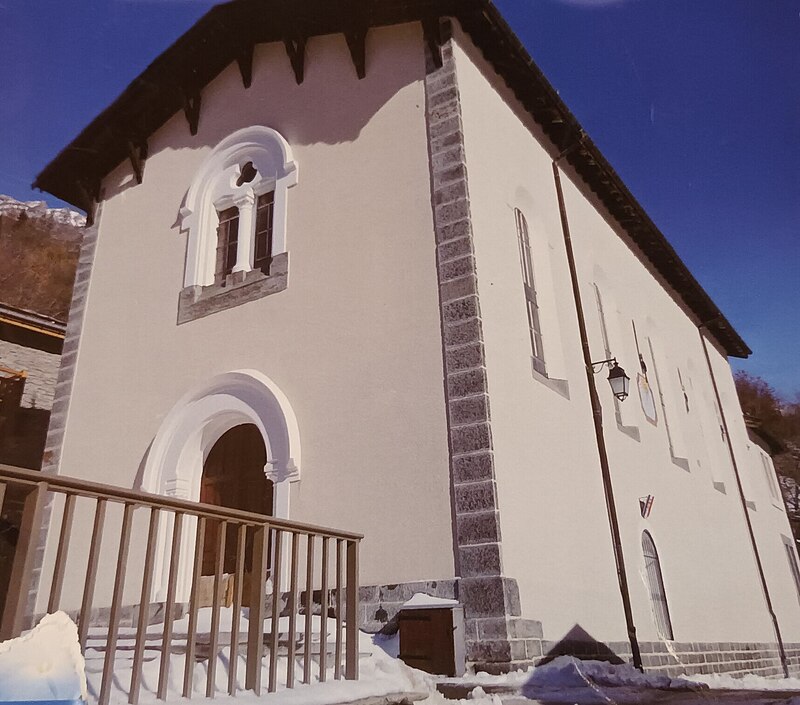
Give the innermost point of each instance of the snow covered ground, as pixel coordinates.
(46, 664)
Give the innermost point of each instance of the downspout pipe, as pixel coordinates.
(743, 500)
(597, 415)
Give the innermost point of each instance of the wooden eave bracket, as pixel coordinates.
(89, 192)
(245, 61)
(432, 31)
(137, 153)
(296, 51)
(191, 109)
(357, 44)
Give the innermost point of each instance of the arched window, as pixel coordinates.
(235, 216)
(655, 582)
(529, 286)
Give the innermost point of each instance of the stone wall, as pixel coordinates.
(41, 368)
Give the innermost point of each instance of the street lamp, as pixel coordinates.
(619, 381)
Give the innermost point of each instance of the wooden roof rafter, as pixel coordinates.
(227, 33)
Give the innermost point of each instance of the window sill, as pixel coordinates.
(559, 386)
(198, 301)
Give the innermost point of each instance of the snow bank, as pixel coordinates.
(44, 664)
(422, 601)
(748, 682)
(570, 672)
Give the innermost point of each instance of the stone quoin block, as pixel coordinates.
(470, 410)
(463, 333)
(457, 268)
(480, 560)
(476, 497)
(471, 468)
(453, 231)
(493, 596)
(453, 249)
(460, 310)
(464, 384)
(478, 527)
(459, 288)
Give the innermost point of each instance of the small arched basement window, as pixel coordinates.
(655, 583)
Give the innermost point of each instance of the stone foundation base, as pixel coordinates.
(379, 604)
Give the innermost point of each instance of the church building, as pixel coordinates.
(356, 264)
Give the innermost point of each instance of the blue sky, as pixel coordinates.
(696, 103)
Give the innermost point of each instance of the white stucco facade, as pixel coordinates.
(549, 479)
(346, 372)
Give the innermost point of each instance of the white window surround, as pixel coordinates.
(214, 189)
(174, 463)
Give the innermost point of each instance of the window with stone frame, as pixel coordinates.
(791, 557)
(529, 286)
(655, 584)
(235, 214)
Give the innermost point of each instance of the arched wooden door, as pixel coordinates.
(233, 476)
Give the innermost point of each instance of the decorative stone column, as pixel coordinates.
(497, 639)
(247, 228)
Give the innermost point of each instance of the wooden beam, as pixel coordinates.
(245, 61)
(137, 153)
(432, 31)
(191, 108)
(89, 191)
(357, 44)
(296, 51)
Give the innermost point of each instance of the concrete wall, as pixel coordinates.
(353, 342)
(555, 532)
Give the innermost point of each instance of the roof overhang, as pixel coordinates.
(227, 33)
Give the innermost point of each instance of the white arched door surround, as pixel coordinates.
(188, 433)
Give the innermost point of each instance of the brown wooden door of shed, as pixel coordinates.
(233, 476)
(426, 640)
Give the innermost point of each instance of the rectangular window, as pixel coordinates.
(263, 249)
(772, 481)
(792, 558)
(532, 306)
(227, 242)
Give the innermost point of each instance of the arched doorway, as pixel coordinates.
(176, 461)
(233, 477)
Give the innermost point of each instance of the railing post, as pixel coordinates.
(255, 630)
(21, 582)
(351, 625)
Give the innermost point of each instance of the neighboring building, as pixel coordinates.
(328, 247)
(30, 353)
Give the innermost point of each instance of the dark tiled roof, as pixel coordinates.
(224, 35)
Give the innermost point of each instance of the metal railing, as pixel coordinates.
(314, 630)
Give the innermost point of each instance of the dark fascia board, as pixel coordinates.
(32, 320)
(219, 36)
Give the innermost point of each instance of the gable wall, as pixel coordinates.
(556, 540)
(353, 342)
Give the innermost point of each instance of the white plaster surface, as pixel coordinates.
(556, 539)
(357, 356)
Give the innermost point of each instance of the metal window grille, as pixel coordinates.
(655, 582)
(263, 249)
(792, 558)
(227, 242)
(532, 305)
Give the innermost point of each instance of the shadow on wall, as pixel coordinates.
(579, 643)
(331, 106)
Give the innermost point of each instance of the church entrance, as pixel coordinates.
(233, 477)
